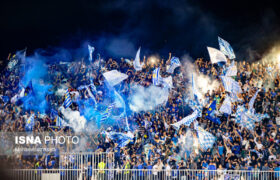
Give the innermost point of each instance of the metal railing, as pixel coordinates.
(85, 159)
(87, 173)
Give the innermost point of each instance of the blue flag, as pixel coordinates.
(29, 89)
(210, 114)
(53, 114)
(121, 139)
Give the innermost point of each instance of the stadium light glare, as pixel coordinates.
(152, 60)
(278, 58)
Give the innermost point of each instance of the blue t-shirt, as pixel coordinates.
(221, 150)
(89, 171)
(204, 165)
(140, 167)
(236, 149)
(277, 172)
(211, 167)
(150, 167)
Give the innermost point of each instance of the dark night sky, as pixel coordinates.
(119, 27)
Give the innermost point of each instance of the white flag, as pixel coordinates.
(226, 106)
(231, 70)
(114, 77)
(90, 51)
(175, 62)
(136, 62)
(252, 100)
(226, 48)
(167, 82)
(216, 55)
(186, 120)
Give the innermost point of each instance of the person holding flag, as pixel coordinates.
(30, 122)
(210, 114)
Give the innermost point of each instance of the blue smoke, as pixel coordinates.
(35, 71)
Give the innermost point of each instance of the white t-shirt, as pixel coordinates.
(278, 121)
(155, 169)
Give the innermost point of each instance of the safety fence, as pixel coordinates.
(87, 173)
(84, 159)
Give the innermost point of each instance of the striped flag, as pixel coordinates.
(30, 122)
(226, 48)
(67, 101)
(175, 62)
(156, 77)
(59, 122)
(107, 112)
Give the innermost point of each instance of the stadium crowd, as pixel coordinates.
(157, 144)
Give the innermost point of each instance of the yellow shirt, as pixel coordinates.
(101, 165)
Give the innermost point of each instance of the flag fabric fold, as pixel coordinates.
(175, 62)
(247, 118)
(167, 82)
(252, 101)
(121, 139)
(231, 70)
(136, 63)
(210, 114)
(205, 139)
(90, 51)
(226, 106)
(114, 77)
(226, 48)
(60, 122)
(186, 120)
(231, 85)
(216, 56)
